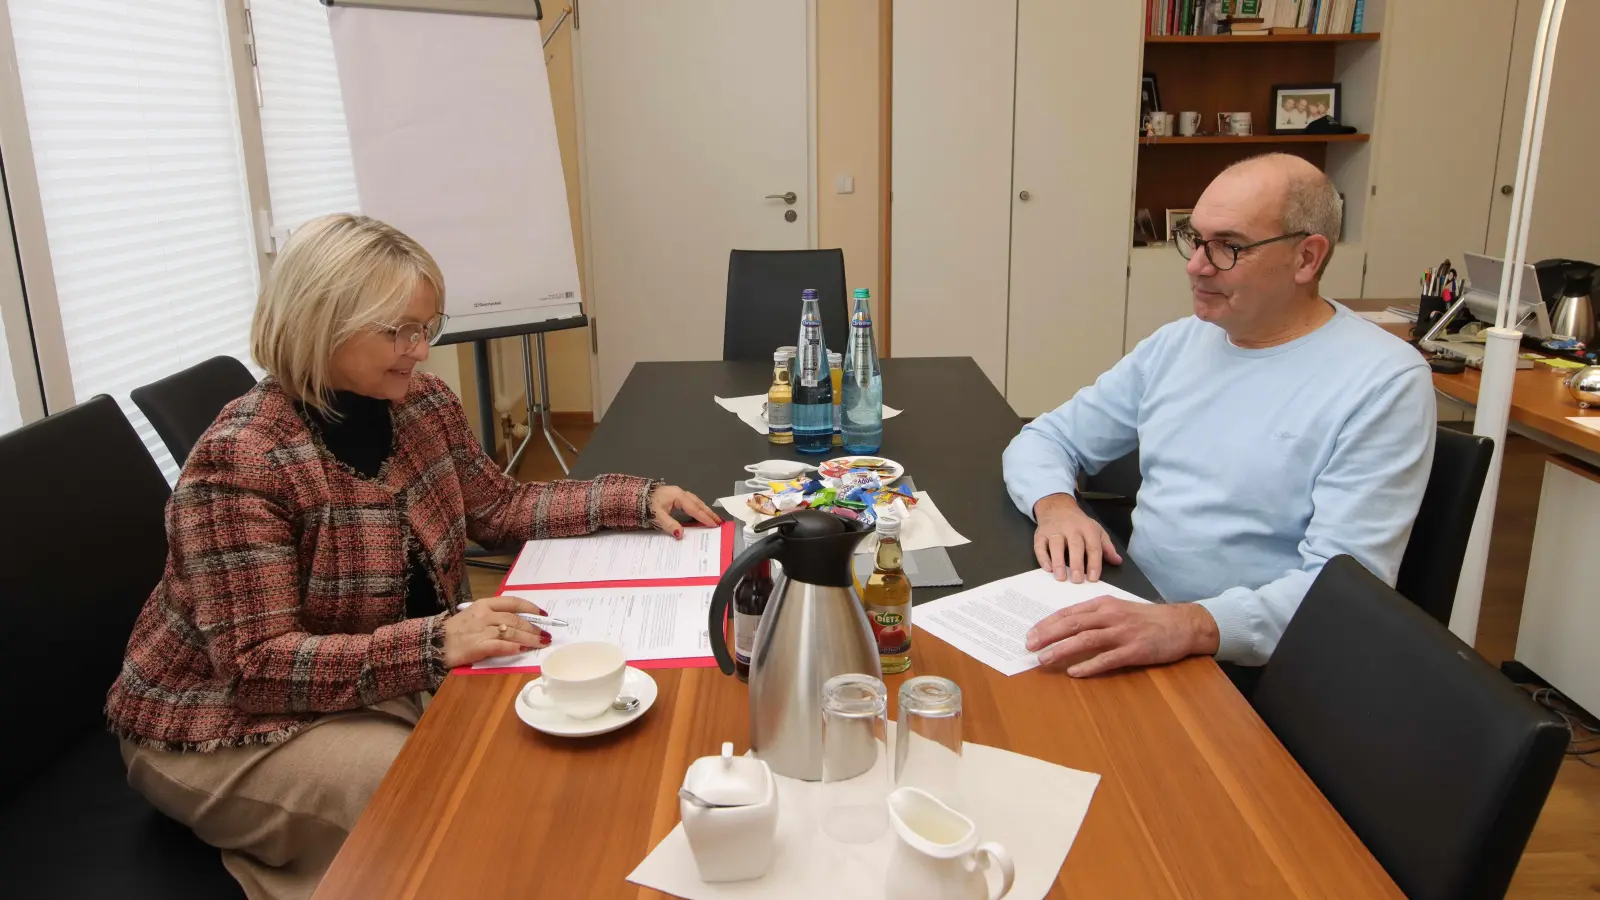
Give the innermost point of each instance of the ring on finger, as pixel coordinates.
(501, 629)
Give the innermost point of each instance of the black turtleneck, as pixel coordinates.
(361, 435)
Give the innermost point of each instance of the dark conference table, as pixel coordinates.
(1196, 798)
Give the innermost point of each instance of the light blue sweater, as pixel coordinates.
(1258, 465)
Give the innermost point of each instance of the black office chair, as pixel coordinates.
(81, 479)
(1432, 564)
(1113, 492)
(183, 405)
(1437, 762)
(763, 306)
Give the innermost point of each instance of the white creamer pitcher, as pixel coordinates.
(937, 856)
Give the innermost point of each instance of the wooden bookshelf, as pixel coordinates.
(1258, 139)
(1259, 38)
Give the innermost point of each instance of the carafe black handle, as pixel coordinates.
(722, 597)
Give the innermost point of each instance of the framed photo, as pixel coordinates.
(1176, 217)
(1149, 96)
(1144, 229)
(1294, 106)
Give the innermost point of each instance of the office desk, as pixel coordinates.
(1196, 799)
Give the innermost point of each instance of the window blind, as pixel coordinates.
(131, 108)
(307, 145)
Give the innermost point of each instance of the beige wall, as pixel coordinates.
(849, 137)
(849, 142)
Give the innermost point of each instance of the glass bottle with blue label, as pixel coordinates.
(812, 391)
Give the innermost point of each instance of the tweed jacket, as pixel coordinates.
(284, 592)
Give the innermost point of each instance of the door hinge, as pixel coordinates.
(250, 45)
(269, 237)
(594, 336)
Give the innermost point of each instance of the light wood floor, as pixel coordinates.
(1563, 856)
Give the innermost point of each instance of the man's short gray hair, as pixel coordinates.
(1311, 204)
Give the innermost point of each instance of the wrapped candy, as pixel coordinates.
(789, 501)
(859, 478)
(890, 495)
(763, 504)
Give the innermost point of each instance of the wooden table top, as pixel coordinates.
(1539, 399)
(1197, 798)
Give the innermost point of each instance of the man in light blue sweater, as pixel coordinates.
(1275, 430)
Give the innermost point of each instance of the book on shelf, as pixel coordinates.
(1357, 22)
(1278, 29)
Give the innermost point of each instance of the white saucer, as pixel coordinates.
(635, 682)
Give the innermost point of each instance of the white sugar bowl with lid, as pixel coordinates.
(729, 806)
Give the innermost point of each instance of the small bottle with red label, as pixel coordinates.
(887, 595)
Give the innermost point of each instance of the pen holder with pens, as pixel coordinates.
(1429, 309)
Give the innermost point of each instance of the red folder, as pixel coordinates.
(692, 662)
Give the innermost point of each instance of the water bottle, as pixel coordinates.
(863, 383)
(812, 390)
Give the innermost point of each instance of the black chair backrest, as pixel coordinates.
(763, 307)
(82, 544)
(183, 405)
(1437, 761)
(1432, 564)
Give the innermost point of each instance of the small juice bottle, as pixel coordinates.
(780, 406)
(887, 597)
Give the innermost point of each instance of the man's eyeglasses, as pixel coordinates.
(1223, 255)
(409, 335)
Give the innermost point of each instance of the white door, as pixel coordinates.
(1069, 238)
(954, 84)
(1567, 192)
(1436, 138)
(691, 114)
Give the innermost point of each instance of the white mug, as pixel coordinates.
(1234, 123)
(581, 680)
(1156, 124)
(1188, 123)
(1167, 125)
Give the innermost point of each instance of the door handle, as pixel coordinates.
(789, 197)
(1506, 189)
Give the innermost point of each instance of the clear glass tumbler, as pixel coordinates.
(855, 758)
(927, 738)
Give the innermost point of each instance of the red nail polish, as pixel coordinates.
(544, 639)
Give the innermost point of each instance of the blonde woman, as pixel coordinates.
(316, 540)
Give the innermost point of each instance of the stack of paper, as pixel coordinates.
(647, 592)
(991, 623)
(1032, 808)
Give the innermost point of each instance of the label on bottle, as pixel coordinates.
(744, 636)
(812, 366)
(780, 417)
(891, 628)
(837, 418)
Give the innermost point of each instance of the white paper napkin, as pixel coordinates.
(925, 527)
(1590, 422)
(751, 410)
(1031, 807)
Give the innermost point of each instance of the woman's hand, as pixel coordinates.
(491, 628)
(665, 498)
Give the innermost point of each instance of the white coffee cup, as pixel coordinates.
(1234, 123)
(581, 680)
(1167, 124)
(1188, 123)
(1158, 124)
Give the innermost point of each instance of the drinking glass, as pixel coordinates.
(927, 738)
(855, 758)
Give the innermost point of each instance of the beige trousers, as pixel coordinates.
(279, 812)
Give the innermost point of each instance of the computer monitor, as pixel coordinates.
(1483, 295)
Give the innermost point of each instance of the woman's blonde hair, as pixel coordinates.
(338, 275)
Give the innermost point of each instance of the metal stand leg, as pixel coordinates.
(538, 404)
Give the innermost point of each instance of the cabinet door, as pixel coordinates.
(954, 72)
(1076, 121)
(1444, 84)
(1567, 192)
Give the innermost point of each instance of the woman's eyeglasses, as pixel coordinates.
(1223, 255)
(409, 335)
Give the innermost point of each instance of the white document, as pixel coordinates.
(925, 527)
(619, 556)
(647, 623)
(1031, 807)
(1590, 422)
(752, 410)
(990, 623)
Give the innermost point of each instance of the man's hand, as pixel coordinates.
(1067, 540)
(1109, 633)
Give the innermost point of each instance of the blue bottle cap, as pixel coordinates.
(808, 294)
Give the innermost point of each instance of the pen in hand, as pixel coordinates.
(541, 621)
